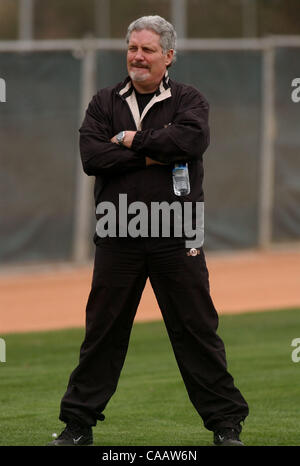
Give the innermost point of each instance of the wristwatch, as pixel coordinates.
(120, 137)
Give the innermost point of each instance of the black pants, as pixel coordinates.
(181, 285)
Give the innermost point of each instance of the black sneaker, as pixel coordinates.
(227, 437)
(74, 434)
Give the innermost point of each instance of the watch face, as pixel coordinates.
(120, 136)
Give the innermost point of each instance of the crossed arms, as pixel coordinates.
(127, 142)
(185, 139)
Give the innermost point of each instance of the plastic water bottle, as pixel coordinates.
(181, 182)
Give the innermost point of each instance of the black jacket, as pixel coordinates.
(173, 127)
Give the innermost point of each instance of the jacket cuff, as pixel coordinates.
(137, 141)
(141, 160)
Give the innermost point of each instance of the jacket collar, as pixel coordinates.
(127, 92)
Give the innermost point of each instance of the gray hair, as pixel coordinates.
(161, 27)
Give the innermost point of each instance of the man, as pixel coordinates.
(132, 135)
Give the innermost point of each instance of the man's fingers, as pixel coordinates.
(150, 161)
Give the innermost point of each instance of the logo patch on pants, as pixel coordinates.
(193, 252)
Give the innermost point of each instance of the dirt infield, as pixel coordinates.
(53, 297)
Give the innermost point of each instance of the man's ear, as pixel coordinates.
(169, 57)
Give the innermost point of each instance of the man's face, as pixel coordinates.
(146, 62)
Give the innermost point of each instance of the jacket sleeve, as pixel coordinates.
(99, 155)
(186, 138)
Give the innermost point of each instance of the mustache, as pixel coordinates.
(139, 65)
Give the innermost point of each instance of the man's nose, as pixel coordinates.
(139, 55)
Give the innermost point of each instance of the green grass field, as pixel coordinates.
(151, 406)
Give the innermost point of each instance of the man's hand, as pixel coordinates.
(129, 135)
(150, 161)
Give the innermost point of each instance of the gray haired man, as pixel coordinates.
(132, 135)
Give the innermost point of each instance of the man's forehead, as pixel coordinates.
(144, 37)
